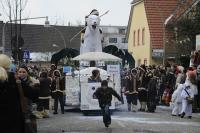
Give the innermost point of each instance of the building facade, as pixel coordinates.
(115, 35)
(149, 41)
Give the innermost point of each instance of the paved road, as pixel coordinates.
(122, 122)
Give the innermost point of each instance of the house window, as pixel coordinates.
(143, 36)
(124, 40)
(139, 62)
(145, 61)
(134, 38)
(122, 31)
(138, 37)
(112, 40)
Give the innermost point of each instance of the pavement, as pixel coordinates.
(122, 122)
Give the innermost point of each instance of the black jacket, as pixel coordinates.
(105, 96)
(45, 84)
(11, 116)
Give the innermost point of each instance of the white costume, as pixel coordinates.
(92, 36)
(177, 100)
(187, 92)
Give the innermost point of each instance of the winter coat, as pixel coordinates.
(129, 84)
(152, 89)
(45, 87)
(142, 95)
(61, 87)
(11, 116)
(31, 94)
(105, 96)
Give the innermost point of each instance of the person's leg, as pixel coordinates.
(134, 102)
(128, 102)
(143, 106)
(46, 108)
(56, 105)
(61, 100)
(184, 107)
(107, 111)
(39, 113)
(40, 105)
(179, 109)
(175, 110)
(189, 110)
(104, 116)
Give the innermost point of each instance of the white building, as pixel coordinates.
(115, 35)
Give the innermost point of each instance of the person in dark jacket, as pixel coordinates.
(131, 90)
(104, 95)
(58, 90)
(152, 94)
(44, 95)
(11, 115)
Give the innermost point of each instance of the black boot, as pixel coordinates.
(183, 114)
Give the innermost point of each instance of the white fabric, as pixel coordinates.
(177, 100)
(186, 107)
(193, 87)
(92, 37)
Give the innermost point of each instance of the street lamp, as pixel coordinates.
(4, 27)
(47, 25)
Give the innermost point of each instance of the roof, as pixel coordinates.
(156, 16)
(183, 8)
(136, 1)
(37, 38)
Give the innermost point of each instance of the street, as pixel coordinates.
(122, 122)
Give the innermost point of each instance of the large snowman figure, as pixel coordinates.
(93, 36)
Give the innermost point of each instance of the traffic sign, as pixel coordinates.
(26, 54)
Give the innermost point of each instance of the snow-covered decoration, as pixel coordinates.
(92, 36)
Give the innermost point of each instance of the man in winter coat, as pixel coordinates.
(104, 95)
(152, 94)
(131, 90)
(44, 96)
(58, 89)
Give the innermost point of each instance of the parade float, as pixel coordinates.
(95, 66)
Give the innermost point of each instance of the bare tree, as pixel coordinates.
(13, 8)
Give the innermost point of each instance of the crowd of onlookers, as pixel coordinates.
(20, 87)
(161, 85)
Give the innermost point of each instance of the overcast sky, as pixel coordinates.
(64, 11)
